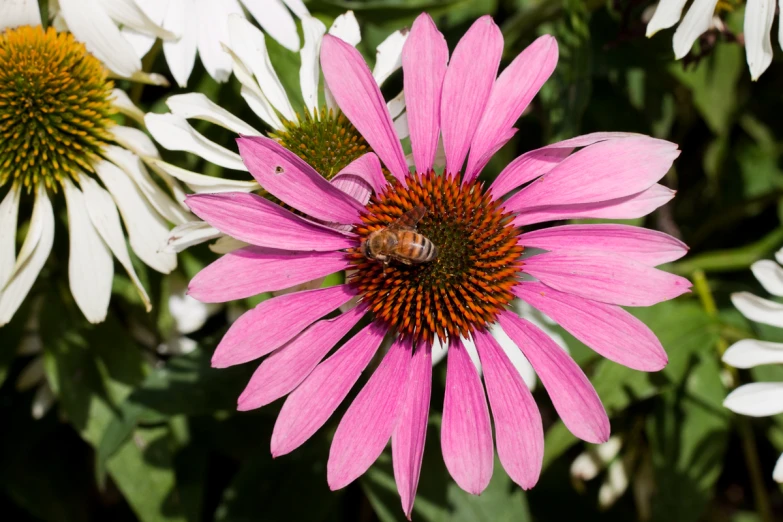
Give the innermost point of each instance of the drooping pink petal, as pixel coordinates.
(607, 329)
(411, 429)
(606, 170)
(466, 88)
(276, 321)
(314, 401)
(360, 178)
(253, 270)
(512, 92)
(255, 220)
(646, 246)
(424, 60)
(368, 423)
(290, 179)
(629, 207)
(353, 87)
(285, 369)
(501, 140)
(607, 278)
(466, 435)
(518, 429)
(534, 163)
(572, 394)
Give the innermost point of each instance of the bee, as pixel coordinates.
(400, 241)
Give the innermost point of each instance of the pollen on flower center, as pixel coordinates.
(467, 285)
(55, 106)
(327, 142)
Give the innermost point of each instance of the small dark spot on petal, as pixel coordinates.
(279, 170)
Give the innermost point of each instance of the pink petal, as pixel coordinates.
(607, 329)
(518, 428)
(276, 321)
(290, 179)
(253, 270)
(285, 369)
(646, 246)
(606, 278)
(360, 178)
(411, 429)
(572, 394)
(368, 424)
(606, 170)
(501, 140)
(424, 60)
(466, 435)
(314, 401)
(629, 207)
(352, 85)
(530, 165)
(255, 220)
(511, 94)
(466, 88)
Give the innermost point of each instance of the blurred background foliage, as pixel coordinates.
(137, 432)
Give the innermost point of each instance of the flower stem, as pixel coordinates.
(702, 288)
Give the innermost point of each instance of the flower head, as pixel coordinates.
(57, 135)
(759, 399)
(464, 295)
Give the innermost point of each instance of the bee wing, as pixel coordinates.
(409, 219)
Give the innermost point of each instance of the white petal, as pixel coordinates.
(777, 473)
(251, 92)
(90, 24)
(34, 253)
(748, 353)
(757, 399)
(128, 14)
(346, 28)
(401, 126)
(585, 466)
(125, 106)
(226, 244)
(106, 220)
(212, 32)
(141, 43)
(515, 355)
(388, 56)
(470, 347)
(189, 314)
(770, 275)
(134, 140)
(310, 72)
(42, 401)
(759, 15)
(134, 168)
(202, 183)
(396, 105)
(177, 346)
(757, 309)
(667, 13)
(147, 231)
(439, 351)
(181, 54)
(14, 13)
(90, 265)
(614, 486)
(196, 105)
(276, 20)
(175, 133)
(189, 234)
(695, 23)
(249, 44)
(9, 210)
(298, 7)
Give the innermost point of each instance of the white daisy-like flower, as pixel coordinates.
(759, 399)
(591, 462)
(57, 138)
(121, 32)
(324, 137)
(759, 15)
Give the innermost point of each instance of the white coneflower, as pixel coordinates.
(759, 399)
(57, 137)
(320, 134)
(759, 15)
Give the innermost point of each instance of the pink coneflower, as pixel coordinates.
(585, 274)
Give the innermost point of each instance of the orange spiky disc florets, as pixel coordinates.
(470, 281)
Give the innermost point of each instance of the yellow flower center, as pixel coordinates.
(55, 107)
